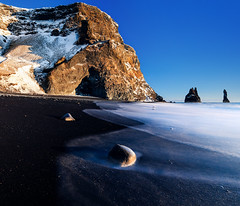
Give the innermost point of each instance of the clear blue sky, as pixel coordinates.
(180, 43)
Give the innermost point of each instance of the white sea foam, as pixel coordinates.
(210, 126)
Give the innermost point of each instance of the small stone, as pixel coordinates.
(122, 155)
(68, 117)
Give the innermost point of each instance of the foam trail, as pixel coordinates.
(209, 126)
(157, 156)
(180, 141)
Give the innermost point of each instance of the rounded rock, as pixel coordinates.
(68, 117)
(122, 155)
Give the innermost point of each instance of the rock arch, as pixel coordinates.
(92, 85)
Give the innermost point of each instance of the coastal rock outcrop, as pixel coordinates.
(74, 49)
(122, 155)
(192, 96)
(225, 98)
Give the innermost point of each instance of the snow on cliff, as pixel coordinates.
(73, 49)
(44, 49)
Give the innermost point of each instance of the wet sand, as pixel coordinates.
(166, 173)
(46, 161)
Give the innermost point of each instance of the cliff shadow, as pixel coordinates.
(92, 85)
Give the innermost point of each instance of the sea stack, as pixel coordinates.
(225, 98)
(68, 50)
(192, 96)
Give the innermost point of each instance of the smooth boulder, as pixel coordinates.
(122, 155)
(68, 117)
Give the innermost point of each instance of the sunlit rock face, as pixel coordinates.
(192, 96)
(68, 50)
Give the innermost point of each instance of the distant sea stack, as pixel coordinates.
(192, 96)
(225, 98)
(68, 50)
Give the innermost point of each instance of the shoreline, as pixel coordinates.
(166, 176)
(47, 161)
(166, 172)
(32, 138)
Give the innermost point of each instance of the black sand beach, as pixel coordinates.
(46, 161)
(166, 173)
(32, 136)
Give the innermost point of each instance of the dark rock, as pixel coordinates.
(65, 31)
(83, 32)
(122, 155)
(159, 98)
(92, 85)
(192, 96)
(32, 32)
(54, 13)
(55, 32)
(22, 27)
(225, 99)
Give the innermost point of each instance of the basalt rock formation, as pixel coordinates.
(225, 98)
(192, 96)
(74, 49)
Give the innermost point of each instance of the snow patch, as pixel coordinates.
(2, 59)
(51, 49)
(23, 81)
(37, 35)
(148, 99)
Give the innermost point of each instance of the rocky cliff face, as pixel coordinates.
(192, 96)
(74, 49)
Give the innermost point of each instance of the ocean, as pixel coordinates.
(210, 132)
(186, 153)
(213, 126)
